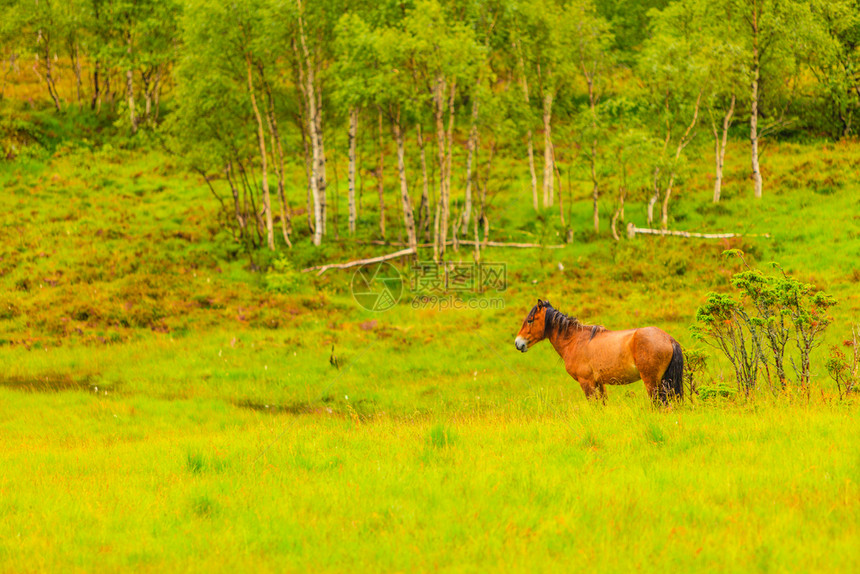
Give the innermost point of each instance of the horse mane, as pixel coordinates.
(558, 322)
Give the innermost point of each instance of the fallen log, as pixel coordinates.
(468, 242)
(323, 268)
(632, 231)
(517, 245)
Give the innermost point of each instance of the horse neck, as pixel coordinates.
(562, 339)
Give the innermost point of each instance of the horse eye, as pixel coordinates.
(530, 321)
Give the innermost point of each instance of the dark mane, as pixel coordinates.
(558, 322)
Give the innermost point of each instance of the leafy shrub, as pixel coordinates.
(282, 277)
(675, 265)
(694, 363)
(713, 391)
(107, 154)
(845, 372)
(771, 315)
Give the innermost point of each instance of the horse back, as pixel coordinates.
(609, 354)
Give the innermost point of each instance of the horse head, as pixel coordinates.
(534, 327)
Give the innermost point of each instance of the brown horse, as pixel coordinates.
(595, 356)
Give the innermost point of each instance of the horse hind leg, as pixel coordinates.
(652, 387)
(670, 383)
(652, 357)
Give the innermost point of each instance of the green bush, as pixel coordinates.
(775, 320)
(282, 277)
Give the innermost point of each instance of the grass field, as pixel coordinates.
(112, 482)
(165, 407)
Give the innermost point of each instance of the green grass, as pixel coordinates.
(161, 409)
(116, 482)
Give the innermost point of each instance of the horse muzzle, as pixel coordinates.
(522, 344)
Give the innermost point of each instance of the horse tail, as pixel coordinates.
(673, 378)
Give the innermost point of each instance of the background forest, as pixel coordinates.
(179, 394)
(294, 113)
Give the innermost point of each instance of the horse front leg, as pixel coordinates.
(590, 388)
(601, 392)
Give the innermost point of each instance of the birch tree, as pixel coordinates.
(355, 69)
(396, 48)
(524, 84)
(592, 42)
(261, 140)
(310, 28)
(443, 53)
(772, 33)
(675, 72)
(724, 59)
(308, 88)
(216, 129)
(835, 61)
(36, 29)
(548, 51)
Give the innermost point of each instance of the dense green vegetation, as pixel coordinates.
(258, 96)
(176, 395)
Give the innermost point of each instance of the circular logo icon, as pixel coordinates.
(377, 286)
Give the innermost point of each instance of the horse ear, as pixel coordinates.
(540, 304)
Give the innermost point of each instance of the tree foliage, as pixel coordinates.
(254, 91)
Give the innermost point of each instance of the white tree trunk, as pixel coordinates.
(424, 207)
(408, 216)
(129, 87)
(240, 217)
(532, 171)
(450, 143)
(525, 85)
(315, 195)
(756, 71)
(682, 143)
(436, 246)
(309, 171)
(278, 152)
(613, 223)
(441, 220)
(472, 144)
(76, 68)
(380, 178)
(720, 150)
(157, 91)
(592, 102)
(261, 139)
(654, 196)
(353, 128)
(547, 155)
(322, 183)
(310, 97)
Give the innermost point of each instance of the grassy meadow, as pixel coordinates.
(168, 404)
